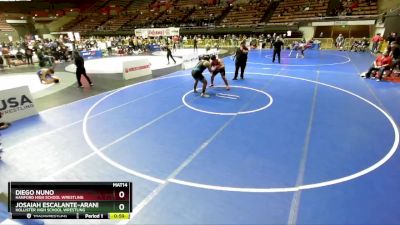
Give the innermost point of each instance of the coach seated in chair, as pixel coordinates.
(383, 62)
(360, 45)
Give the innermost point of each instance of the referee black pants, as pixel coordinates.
(277, 52)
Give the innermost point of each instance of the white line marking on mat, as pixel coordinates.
(227, 97)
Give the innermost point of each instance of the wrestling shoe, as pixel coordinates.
(204, 95)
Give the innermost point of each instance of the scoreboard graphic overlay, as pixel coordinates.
(70, 200)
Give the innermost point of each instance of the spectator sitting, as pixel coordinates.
(6, 55)
(364, 44)
(359, 45)
(19, 55)
(382, 63)
(349, 12)
(354, 5)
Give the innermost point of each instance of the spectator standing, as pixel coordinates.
(195, 43)
(340, 42)
(375, 42)
(28, 55)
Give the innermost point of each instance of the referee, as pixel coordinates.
(277, 49)
(169, 54)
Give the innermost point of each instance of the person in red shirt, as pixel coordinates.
(381, 64)
(376, 40)
(354, 5)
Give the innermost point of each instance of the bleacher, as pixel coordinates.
(93, 18)
(150, 13)
(289, 10)
(96, 6)
(210, 13)
(245, 15)
(120, 3)
(4, 26)
(139, 4)
(83, 21)
(91, 23)
(366, 8)
(175, 14)
(145, 18)
(73, 23)
(187, 3)
(116, 22)
(140, 15)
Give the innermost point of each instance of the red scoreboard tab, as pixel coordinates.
(70, 200)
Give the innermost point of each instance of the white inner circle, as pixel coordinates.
(363, 172)
(271, 100)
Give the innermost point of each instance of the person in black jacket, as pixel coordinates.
(80, 69)
(169, 54)
(240, 60)
(395, 54)
(392, 37)
(277, 49)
